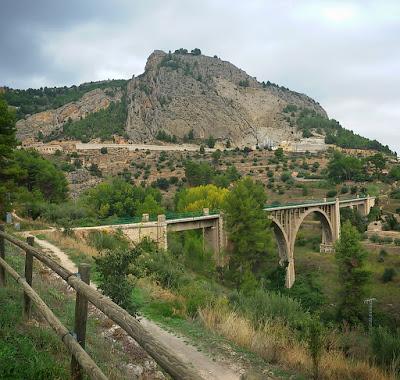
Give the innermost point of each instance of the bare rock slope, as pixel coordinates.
(48, 122)
(182, 92)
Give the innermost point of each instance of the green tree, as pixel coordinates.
(350, 257)
(216, 156)
(394, 173)
(7, 145)
(196, 51)
(377, 162)
(197, 198)
(150, 206)
(279, 154)
(35, 173)
(198, 173)
(247, 225)
(344, 168)
(210, 142)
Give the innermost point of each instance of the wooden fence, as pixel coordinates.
(75, 342)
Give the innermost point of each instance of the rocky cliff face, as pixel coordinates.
(181, 92)
(178, 93)
(49, 122)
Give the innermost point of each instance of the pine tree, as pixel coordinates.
(247, 225)
(350, 258)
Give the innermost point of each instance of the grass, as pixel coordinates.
(76, 248)
(165, 308)
(31, 350)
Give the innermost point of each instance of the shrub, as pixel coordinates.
(375, 239)
(103, 240)
(197, 294)
(112, 269)
(331, 193)
(315, 343)
(103, 150)
(386, 348)
(344, 190)
(262, 305)
(388, 274)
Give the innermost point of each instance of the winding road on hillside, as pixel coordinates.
(206, 367)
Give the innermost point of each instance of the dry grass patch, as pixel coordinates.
(66, 242)
(277, 343)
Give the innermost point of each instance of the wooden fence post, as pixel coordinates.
(81, 310)
(2, 255)
(28, 277)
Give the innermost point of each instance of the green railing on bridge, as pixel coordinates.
(196, 214)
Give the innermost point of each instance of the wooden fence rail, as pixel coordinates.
(158, 351)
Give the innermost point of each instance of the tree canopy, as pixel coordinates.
(350, 258)
(247, 224)
(197, 198)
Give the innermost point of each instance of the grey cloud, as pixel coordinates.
(345, 54)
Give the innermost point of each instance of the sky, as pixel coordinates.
(344, 54)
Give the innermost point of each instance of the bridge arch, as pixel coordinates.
(327, 227)
(282, 241)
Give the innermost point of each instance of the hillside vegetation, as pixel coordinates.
(32, 101)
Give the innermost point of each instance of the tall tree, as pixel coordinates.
(247, 224)
(7, 144)
(344, 168)
(350, 258)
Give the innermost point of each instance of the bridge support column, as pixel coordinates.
(290, 273)
(211, 238)
(162, 241)
(336, 220)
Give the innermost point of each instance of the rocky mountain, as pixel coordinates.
(50, 122)
(181, 92)
(179, 96)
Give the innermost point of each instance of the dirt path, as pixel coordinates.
(209, 369)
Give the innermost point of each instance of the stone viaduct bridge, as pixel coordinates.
(285, 219)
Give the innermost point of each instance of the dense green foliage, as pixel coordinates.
(101, 124)
(7, 145)
(112, 269)
(202, 173)
(386, 348)
(344, 168)
(40, 176)
(355, 218)
(197, 198)
(116, 197)
(31, 101)
(350, 257)
(247, 225)
(308, 120)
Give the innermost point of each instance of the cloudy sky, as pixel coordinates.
(344, 54)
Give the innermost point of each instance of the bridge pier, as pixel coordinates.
(290, 274)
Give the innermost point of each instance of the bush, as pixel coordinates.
(386, 348)
(388, 274)
(197, 294)
(262, 305)
(112, 268)
(103, 150)
(375, 239)
(103, 240)
(331, 194)
(344, 190)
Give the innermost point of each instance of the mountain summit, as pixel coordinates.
(182, 92)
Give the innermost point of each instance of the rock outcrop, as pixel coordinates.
(178, 93)
(182, 92)
(49, 122)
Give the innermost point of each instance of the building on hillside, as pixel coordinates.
(41, 147)
(312, 145)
